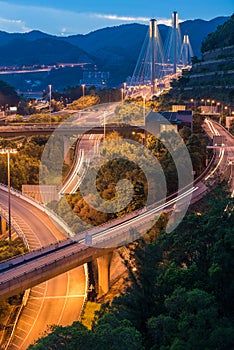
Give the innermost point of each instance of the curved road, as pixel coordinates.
(224, 155)
(57, 301)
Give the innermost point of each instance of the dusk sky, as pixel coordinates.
(66, 17)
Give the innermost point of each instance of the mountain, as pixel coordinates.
(131, 36)
(47, 50)
(222, 37)
(199, 29)
(113, 49)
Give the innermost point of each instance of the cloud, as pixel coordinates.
(166, 21)
(13, 25)
(121, 18)
(22, 18)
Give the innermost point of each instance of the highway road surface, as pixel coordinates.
(57, 301)
(222, 159)
(115, 232)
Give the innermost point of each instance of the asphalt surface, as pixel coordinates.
(57, 301)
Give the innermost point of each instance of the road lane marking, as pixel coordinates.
(61, 296)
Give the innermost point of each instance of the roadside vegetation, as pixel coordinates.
(178, 294)
(25, 163)
(9, 307)
(126, 161)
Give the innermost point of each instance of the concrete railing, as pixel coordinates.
(41, 207)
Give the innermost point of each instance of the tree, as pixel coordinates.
(110, 334)
(8, 94)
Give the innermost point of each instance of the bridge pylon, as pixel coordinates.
(186, 51)
(177, 54)
(148, 69)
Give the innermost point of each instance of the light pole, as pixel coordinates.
(124, 89)
(83, 94)
(104, 124)
(144, 121)
(144, 97)
(122, 95)
(50, 89)
(8, 151)
(192, 101)
(212, 107)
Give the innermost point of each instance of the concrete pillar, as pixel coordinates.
(103, 263)
(2, 226)
(66, 148)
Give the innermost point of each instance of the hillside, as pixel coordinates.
(213, 75)
(222, 37)
(45, 50)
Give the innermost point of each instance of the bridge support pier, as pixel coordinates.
(103, 263)
(66, 147)
(2, 226)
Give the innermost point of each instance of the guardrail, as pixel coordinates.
(15, 226)
(41, 207)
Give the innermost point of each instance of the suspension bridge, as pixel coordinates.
(159, 62)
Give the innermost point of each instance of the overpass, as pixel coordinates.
(69, 130)
(20, 273)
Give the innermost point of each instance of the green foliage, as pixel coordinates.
(223, 36)
(129, 113)
(181, 289)
(9, 250)
(231, 127)
(8, 94)
(84, 102)
(24, 164)
(178, 295)
(110, 334)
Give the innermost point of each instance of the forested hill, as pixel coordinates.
(222, 37)
(213, 75)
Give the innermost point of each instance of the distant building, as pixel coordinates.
(209, 110)
(96, 78)
(176, 108)
(157, 122)
(186, 118)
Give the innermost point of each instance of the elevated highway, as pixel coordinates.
(57, 257)
(64, 294)
(68, 130)
(39, 266)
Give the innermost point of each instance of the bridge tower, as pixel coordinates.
(186, 51)
(173, 44)
(175, 26)
(153, 38)
(148, 69)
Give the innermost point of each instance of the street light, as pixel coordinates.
(8, 151)
(50, 89)
(83, 93)
(144, 97)
(212, 107)
(122, 95)
(104, 124)
(124, 89)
